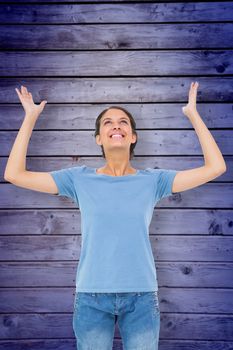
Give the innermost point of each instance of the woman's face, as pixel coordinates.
(115, 130)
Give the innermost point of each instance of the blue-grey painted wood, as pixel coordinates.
(172, 300)
(206, 195)
(114, 90)
(211, 222)
(117, 63)
(180, 162)
(116, 36)
(166, 248)
(149, 115)
(175, 325)
(69, 344)
(170, 274)
(98, 1)
(143, 56)
(118, 13)
(150, 143)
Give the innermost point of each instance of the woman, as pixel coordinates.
(116, 277)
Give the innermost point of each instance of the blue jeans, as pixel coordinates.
(137, 313)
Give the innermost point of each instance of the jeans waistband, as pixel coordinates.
(121, 294)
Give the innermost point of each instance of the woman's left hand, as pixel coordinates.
(191, 106)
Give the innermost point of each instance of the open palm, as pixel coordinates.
(28, 104)
(191, 106)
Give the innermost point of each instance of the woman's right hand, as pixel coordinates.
(28, 104)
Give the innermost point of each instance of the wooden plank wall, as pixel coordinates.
(83, 57)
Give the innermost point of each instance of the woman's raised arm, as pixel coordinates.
(214, 162)
(15, 171)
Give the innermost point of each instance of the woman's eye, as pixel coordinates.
(108, 121)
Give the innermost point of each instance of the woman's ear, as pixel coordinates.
(134, 138)
(97, 139)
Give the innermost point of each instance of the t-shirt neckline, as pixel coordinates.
(95, 172)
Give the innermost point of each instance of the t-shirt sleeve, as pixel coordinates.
(163, 180)
(164, 183)
(64, 179)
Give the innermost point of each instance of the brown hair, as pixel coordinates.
(132, 122)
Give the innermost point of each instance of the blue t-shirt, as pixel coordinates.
(116, 212)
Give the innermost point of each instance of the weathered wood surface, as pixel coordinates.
(81, 58)
(116, 63)
(116, 36)
(97, 1)
(191, 274)
(176, 300)
(144, 12)
(125, 89)
(147, 115)
(211, 222)
(174, 325)
(69, 344)
(179, 162)
(206, 195)
(150, 143)
(166, 248)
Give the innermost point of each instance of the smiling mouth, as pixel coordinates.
(116, 137)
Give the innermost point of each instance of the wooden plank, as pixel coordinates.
(168, 162)
(194, 274)
(117, 13)
(45, 344)
(209, 301)
(94, 1)
(206, 195)
(123, 63)
(164, 248)
(193, 345)
(173, 326)
(70, 344)
(41, 222)
(170, 274)
(147, 115)
(150, 143)
(211, 222)
(39, 274)
(192, 317)
(109, 90)
(193, 248)
(116, 36)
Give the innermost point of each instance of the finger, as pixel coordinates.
(18, 93)
(193, 87)
(30, 95)
(24, 89)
